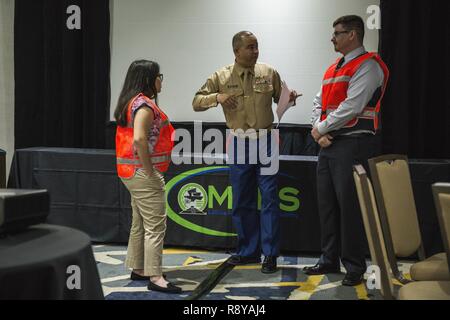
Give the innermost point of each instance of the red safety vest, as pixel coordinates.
(127, 158)
(334, 92)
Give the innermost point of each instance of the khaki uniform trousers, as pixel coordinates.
(148, 226)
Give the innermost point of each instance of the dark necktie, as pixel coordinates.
(340, 63)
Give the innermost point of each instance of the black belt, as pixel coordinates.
(354, 136)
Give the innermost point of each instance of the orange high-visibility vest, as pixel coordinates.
(126, 155)
(334, 92)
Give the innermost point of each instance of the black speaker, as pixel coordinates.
(20, 209)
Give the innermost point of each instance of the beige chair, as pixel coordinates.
(398, 217)
(441, 194)
(419, 290)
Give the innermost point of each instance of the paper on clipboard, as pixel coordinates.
(283, 103)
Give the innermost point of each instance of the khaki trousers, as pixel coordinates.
(148, 226)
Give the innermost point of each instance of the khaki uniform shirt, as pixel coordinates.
(254, 89)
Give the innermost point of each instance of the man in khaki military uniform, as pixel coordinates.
(246, 90)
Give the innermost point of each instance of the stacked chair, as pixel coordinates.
(417, 290)
(398, 217)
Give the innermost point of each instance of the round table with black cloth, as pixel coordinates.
(35, 264)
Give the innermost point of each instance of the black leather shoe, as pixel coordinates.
(241, 260)
(135, 276)
(321, 269)
(269, 265)
(352, 279)
(170, 288)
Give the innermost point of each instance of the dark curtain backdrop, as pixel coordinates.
(61, 75)
(415, 44)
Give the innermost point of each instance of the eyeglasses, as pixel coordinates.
(336, 33)
(161, 76)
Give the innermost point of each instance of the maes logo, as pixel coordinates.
(192, 199)
(193, 195)
(186, 200)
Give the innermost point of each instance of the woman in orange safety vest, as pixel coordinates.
(143, 146)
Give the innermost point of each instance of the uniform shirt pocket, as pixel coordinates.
(263, 96)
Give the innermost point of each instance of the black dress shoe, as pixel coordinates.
(352, 279)
(135, 276)
(269, 265)
(321, 269)
(170, 288)
(241, 260)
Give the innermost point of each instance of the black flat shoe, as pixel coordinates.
(135, 276)
(269, 265)
(352, 279)
(170, 288)
(319, 269)
(241, 260)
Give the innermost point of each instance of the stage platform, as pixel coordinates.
(86, 194)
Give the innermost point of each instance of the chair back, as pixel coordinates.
(374, 233)
(395, 198)
(441, 194)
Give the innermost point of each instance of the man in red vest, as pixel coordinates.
(346, 120)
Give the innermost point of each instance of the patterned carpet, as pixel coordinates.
(189, 268)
